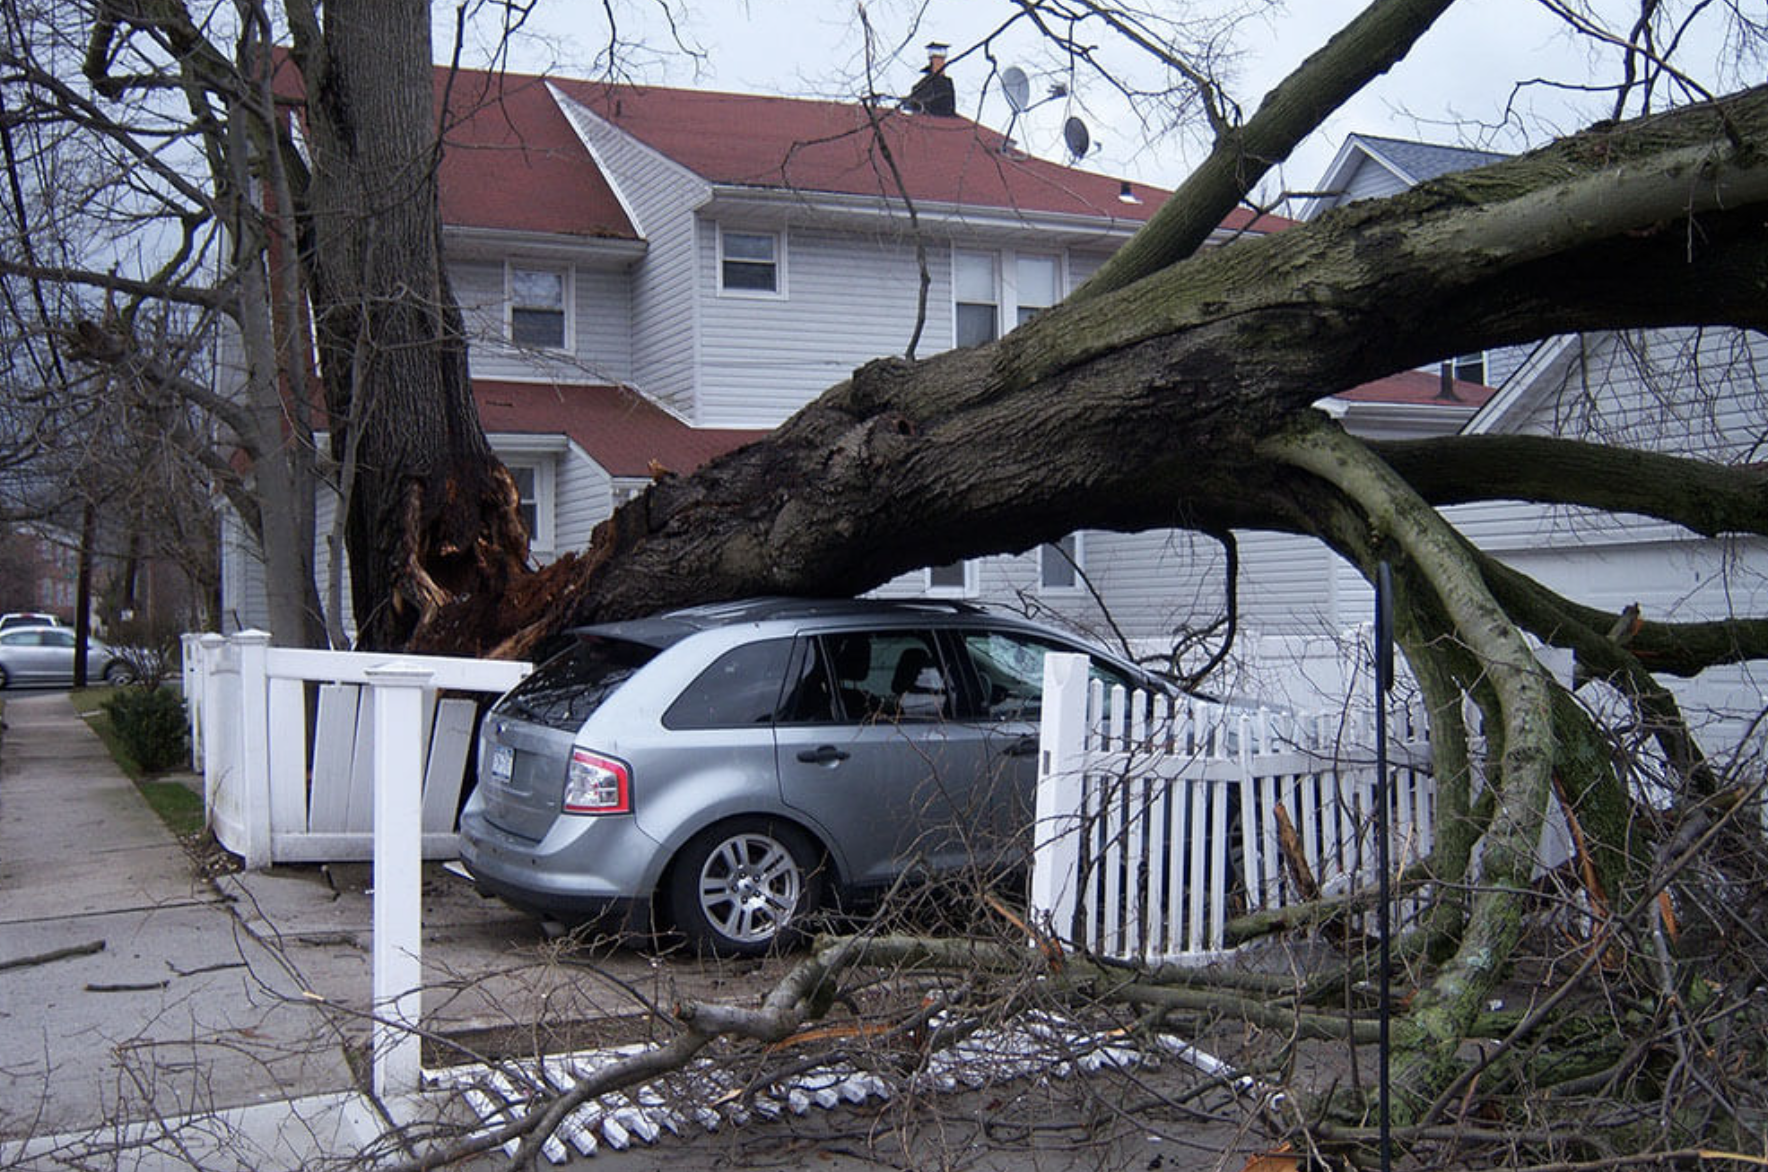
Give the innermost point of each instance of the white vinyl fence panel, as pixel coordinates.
(1158, 821)
(287, 783)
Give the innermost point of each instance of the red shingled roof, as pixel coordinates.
(511, 158)
(1421, 387)
(513, 161)
(621, 430)
(820, 146)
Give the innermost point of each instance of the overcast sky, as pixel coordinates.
(1454, 87)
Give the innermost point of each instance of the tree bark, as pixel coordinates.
(431, 513)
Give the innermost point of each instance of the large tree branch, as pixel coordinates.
(1363, 50)
(1679, 649)
(1439, 559)
(1710, 499)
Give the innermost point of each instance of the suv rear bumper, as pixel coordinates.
(584, 867)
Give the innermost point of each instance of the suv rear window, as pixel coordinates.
(565, 689)
(741, 688)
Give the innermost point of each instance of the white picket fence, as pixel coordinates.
(284, 784)
(1158, 822)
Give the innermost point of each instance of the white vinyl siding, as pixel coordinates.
(852, 300)
(582, 501)
(1082, 265)
(244, 606)
(1370, 180)
(664, 305)
(601, 326)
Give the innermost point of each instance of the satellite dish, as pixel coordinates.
(1074, 133)
(1017, 88)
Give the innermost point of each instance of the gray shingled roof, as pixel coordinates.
(1422, 161)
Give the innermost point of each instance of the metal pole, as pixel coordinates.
(1384, 679)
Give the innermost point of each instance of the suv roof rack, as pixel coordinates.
(788, 606)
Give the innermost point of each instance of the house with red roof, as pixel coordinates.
(652, 276)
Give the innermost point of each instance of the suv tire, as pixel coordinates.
(741, 887)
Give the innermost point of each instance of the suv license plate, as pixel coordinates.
(503, 762)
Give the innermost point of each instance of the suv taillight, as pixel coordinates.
(597, 785)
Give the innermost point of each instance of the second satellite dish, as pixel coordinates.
(1074, 133)
(1017, 88)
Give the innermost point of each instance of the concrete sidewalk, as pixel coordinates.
(129, 989)
(154, 1019)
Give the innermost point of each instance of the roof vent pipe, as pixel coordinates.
(1446, 385)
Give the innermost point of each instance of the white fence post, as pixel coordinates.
(200, 699)
(398, 874)
(190, 686)
(254, 764)
(1059, 822)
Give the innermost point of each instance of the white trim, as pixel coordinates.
(467, 242)
(1006, 282)
(567, 274)
(777, 235)
(1057, 229)
(570, 108)
(1522, 389)
(526, 443)
(566, 105)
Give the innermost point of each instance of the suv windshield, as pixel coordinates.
(565, 689)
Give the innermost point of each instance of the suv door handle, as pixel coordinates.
(822, 755)
(1025, 746)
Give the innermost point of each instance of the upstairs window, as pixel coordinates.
(1035, 284)
(749, 263)
(976, 292)
(539, 300)
(1471, 367)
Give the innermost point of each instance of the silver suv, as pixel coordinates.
(727, 767)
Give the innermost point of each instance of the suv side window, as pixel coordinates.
(1009, 671)
(739, 688)
(863, 677)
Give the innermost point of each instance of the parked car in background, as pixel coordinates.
(27, 618)
(45, 655)
(726, 767)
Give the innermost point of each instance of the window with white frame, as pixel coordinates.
(953, 578)
(533, 474)
(1059, 565)
(976, 316)
(1036, 277)
(749, 263)
(991, 290)
(539, 307)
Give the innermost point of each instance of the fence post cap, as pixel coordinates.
(397, 673)
(253, 637)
